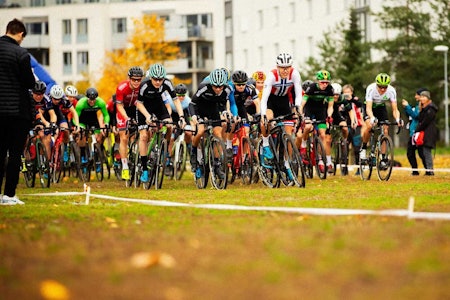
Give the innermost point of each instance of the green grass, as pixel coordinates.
(230, 254)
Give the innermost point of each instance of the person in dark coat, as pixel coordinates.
(16, 80)
(427, 124)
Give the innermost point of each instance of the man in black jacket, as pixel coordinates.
(16, 79)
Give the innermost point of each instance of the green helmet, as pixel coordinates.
(323, 75)
(383, 79)
(156, 71)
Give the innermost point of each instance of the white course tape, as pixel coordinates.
(409, 213)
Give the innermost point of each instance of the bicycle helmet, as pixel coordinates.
(181, 89)
(259, 76)
(323, 75)
(284, 60)
(135, 71)
(337, 88)
(239, 77)
(218, 77)
(227, 73)
(383, 79)
(306, 84)
(157, 71)
(91, 93)
(56, 92)
(71, 91)
(39, 87)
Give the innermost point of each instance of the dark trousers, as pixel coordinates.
(13, 134)
(411, 154)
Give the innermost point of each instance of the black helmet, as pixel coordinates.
(91, 93)
(181, 89)
(135, 71)
(39, 87)
(239, 76)
(306, 83)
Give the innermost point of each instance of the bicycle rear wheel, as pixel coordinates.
(218, 164)
(321, 158)
(43, 165)
(385, 158)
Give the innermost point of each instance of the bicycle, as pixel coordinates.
(286, 165)
(315, 156)
(93, 156)
(34, 161)
(65, 157)
(211, 159)
(179, 153)
(112, 157)
(381, 154)
(339, 149)
(133, 151)
(244, 158)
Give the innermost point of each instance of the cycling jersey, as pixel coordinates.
(244, 99)
(62, 109)
(231, 99)
(206, 103)
(315, 100)
(126, 96)
(42, 107)
(277, 92)
(153, 99)
(88, 114)
(341, 109)
(372, 95)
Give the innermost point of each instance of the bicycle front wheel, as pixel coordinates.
(295, 171)
(218, 164)
(180, 160)
(43, 166)
(247, 161)
(28, 167)
(321, 158)
(57, 162)
(161, 164)
(366, 166)
(268, 173)
(98, 161)
(385, 158)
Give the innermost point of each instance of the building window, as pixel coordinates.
(67, 31)
(82, 30)
(228, 27)
(82, 61)
(276, 16)
(39, 28)
(310, 9)
(119, 25)
(260, 20)
(36, 3)
(67, 63)
(91, 1)
(63, 1)
(292, 12)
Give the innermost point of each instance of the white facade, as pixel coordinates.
(247, 37)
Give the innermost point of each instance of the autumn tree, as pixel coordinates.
(147, 45)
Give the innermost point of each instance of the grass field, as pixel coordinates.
(56, 246)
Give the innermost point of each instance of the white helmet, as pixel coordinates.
(71, 91)
(284, 60)
(56, 92)
(337, 88)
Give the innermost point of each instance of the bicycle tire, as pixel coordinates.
(98, 161)
(343, 163)
(57, 162)
(218, 165)
(43, 165)
(294, 161)
(336, 155)
(385, 161)
(365, 167)
(246, 160)
(132, 148)
(234, 167)
(269, 176)
(75, 159)
(310, 159)
(85, 167)
(201, 173)
(30, 173)
(255, 159)
(180, 160)
(320, 156)
(161, 163)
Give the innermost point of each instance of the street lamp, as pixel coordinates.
(443, 48)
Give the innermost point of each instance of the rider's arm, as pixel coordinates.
(395, 112)
(330, 108)
(297, 88)
(76, 120)
(53, 117)
(369, 111)
(104, 110)
(232, 101)
(266, 92)
(140, 106)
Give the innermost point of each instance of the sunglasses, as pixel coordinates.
(218, 86)
(240, 83)
(158, 79)
(136, 79)
(324, 82)
(38, 94)
(382, 87)
(181, 95)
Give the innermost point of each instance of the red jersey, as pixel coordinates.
(125, 95)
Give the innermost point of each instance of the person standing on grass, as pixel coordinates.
(413, 114)
(16, 80)
(427, 123)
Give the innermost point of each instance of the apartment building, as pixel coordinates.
(70, 37)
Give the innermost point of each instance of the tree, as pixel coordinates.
(147, 45)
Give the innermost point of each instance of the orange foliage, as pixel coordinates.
(146, 45)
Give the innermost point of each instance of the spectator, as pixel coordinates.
(427, 123)
(413, 115)
(16, 80)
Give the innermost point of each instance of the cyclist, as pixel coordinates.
(92, 112)
(253, 107)
(126, 96)
(152, 99)
(377, 94)
(244, 95)
(185, 100)
(318, 103)
(208, 102)
(63, 107)
(71, 93)
(281, 83)
(45, 116)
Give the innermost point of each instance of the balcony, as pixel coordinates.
(36, 41)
